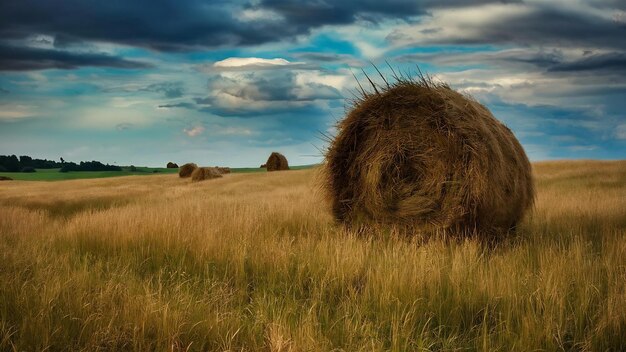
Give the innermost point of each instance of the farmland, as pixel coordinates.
(254, 261)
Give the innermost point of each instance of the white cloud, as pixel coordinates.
(620, 131)
(239, 63)
(259, 15)
(14, 112)
(195, 131)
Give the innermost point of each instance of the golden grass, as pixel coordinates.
(254, 262)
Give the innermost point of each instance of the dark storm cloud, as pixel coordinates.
(168, 89)
(608, 65)
(534, 57)
(178, 105)
(170, 25)
(614, 61)
(528, 24)
(28, 58)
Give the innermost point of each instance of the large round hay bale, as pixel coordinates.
(171, 165)
(187, 169)
(419, 155)
(276, 162)
(205, 173)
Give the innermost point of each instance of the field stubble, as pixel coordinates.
(255, 262)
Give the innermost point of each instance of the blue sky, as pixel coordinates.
(226, 83)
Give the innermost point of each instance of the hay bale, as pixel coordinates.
(276, 162)
(187, 169)
(223, 170)
(263, 166)
(5, 178)
(205, 173)
(172, 165)
(419, 155)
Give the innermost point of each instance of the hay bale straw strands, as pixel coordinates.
(186, 170)
(276, 162)
(205, 173)
(420, 155)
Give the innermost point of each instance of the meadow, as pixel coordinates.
(255, 262)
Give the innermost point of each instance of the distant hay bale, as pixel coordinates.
(263, 166)
(187, 169)
(276, 162)
(205, 173)
(5, 178)
(223, 170)
(172, 165)
(419, 155)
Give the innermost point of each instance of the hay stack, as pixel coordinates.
(172, 165)
(419, 155)
(223, 170)
(276, 162)
(187, 169)
(205, 173)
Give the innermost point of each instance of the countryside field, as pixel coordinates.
(255, 262)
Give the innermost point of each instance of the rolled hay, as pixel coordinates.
(276, 162)
(418, 155)
(205, 173)
(171, 165)
(187, 169)
(223, 170)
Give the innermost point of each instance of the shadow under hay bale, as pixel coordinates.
(172, 165)
(186, 170)
(5, 178)
(418, 155)
(205, 173)
(276, 162)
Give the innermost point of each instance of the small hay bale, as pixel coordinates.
(276, 162)
(418, 155)
(223, 170)
(5, 178)
(263, 166)
(186, 170)
(205, 173)
(172, 165)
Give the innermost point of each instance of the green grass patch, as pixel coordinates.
(56, 175)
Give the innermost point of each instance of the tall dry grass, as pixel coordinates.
(254, 262)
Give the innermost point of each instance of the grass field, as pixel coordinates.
(55, 175)
(254, 262)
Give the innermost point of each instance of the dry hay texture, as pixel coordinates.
(276, 162)
(172, 165)
(223, 170)
(418, 155)
(205, 173)
(187, 169)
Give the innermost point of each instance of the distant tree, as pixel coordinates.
(25, 161)
(132, 168)
(89, 166)
(10, 162)
(62, 161)
(28, 169)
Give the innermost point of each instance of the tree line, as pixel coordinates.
(25, 163)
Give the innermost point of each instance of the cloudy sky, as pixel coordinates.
(223, 82)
